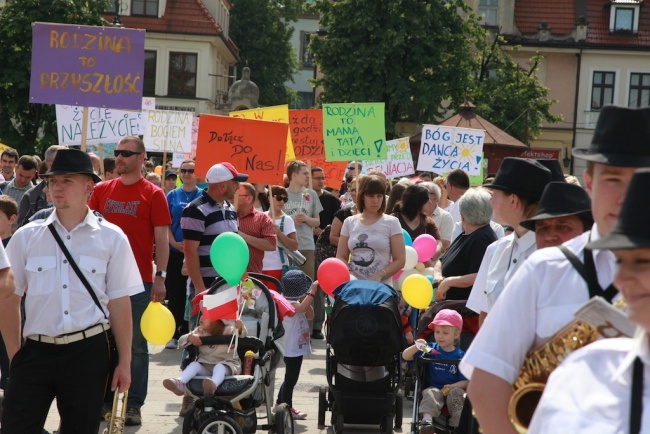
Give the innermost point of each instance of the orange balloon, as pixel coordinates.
(158, 170)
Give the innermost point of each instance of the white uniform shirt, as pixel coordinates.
(4, 260)
(590, 392)
(57, 302)
(502, 258)
(445, 223)
(452, 209)
(539, 300)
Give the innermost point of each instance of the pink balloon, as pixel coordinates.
(425, 245)
(396, 275)
(331, 273)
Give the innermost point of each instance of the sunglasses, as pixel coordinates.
(190, 171)
(282, 198)
(124, 153)
(351, 168)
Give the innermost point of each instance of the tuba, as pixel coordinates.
(537, 367)
(115, 423)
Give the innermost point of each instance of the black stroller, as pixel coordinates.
(232, 408)
(363, 358)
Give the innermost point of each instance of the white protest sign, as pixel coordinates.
(444, 149)
(399, 161)
(104, 125)
(178, 159)
(168, 131)
(148, 103)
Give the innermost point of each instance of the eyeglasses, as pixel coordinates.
(190, 171)
(282, 198)
(320, 178)
(352, 168)
(125, 153)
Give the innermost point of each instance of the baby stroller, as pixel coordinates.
(363, 358)
(232, 409)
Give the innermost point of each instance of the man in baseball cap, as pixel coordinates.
(222, 172)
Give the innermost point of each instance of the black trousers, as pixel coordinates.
(176, 285)
(291, 374)
(75, 374)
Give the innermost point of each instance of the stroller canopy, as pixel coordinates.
(364, 292)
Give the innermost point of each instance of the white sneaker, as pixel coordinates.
(172, 344)
(297, 414)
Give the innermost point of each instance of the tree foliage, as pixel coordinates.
(264, 41)
(31, 127)
(510, 95)
(410, 54)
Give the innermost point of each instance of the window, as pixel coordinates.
(489, 10)
(149, 82)
(305, 101)
(182, 74)
(305, 55)
(623, 19)
(148, 8)
(639, 90)
(624, 16)
(602, 91)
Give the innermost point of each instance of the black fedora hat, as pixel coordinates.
(631, 230)
(521, 176)
(561, 199)
(555, 168)
(71, 161)
(621, 138)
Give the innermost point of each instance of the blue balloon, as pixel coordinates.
(430, 278)
(407, 238)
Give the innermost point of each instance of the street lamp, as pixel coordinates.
(116, 20)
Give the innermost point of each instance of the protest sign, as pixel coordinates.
(87, 66)
(398, 162)
(307, 133)
(168, 131)
(444, 149)
(354, 131)
(107, 149)
(104, 124)
(278, 113)
(254, 147)
(177, 159)
(334, 172)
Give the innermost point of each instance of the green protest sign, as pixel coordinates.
(354, 131)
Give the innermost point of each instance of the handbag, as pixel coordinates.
(286, 264)
(113, 357)
(324, 249)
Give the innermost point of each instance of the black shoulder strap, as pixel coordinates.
(75, 267)
(588, 272)
(636, 403)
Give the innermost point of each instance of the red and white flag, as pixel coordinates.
(222, 305)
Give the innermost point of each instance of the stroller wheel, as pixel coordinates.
(399, 410)
(322, 405)
(337, 422)
(283, 420)
(189, 426)
(220, 424)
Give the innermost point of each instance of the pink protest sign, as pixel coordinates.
(87, 66)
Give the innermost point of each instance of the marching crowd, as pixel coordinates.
(84, 257)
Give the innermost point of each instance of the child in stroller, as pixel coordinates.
(364, 342)
(443, 384)
(232, 408)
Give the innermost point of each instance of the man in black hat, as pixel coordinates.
(564, 212)
(65, 354)
(542, 296)
(610, 369)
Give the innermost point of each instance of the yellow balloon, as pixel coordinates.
(417, 291)
(157, 324)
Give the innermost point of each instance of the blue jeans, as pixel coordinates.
(139, 350)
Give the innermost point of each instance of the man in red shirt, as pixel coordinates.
(139, 208)
(255, 227)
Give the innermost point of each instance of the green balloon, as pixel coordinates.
(229, 256)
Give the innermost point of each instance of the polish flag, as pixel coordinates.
(222, 305)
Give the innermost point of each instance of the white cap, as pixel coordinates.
(223, 172)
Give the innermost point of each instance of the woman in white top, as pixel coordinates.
(370, 238)
(272, 262)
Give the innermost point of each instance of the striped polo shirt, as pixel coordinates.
(203, 220)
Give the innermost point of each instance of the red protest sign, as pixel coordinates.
(334, 171)
(254, 147)
(307, 133)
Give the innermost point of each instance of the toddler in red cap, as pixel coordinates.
(443, 382)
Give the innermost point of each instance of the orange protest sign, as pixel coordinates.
(307, 133)
(334, 171)
(278, 113)
(256, 148)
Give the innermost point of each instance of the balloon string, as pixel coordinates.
(235, 336)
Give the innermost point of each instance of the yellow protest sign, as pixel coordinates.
(278, 113)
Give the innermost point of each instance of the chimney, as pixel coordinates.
(543, 31)
(581, 29)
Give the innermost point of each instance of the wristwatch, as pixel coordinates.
(162, 274)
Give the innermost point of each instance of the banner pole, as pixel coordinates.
(84, 127)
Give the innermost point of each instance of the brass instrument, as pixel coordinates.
(539, 364)
(115, 423)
